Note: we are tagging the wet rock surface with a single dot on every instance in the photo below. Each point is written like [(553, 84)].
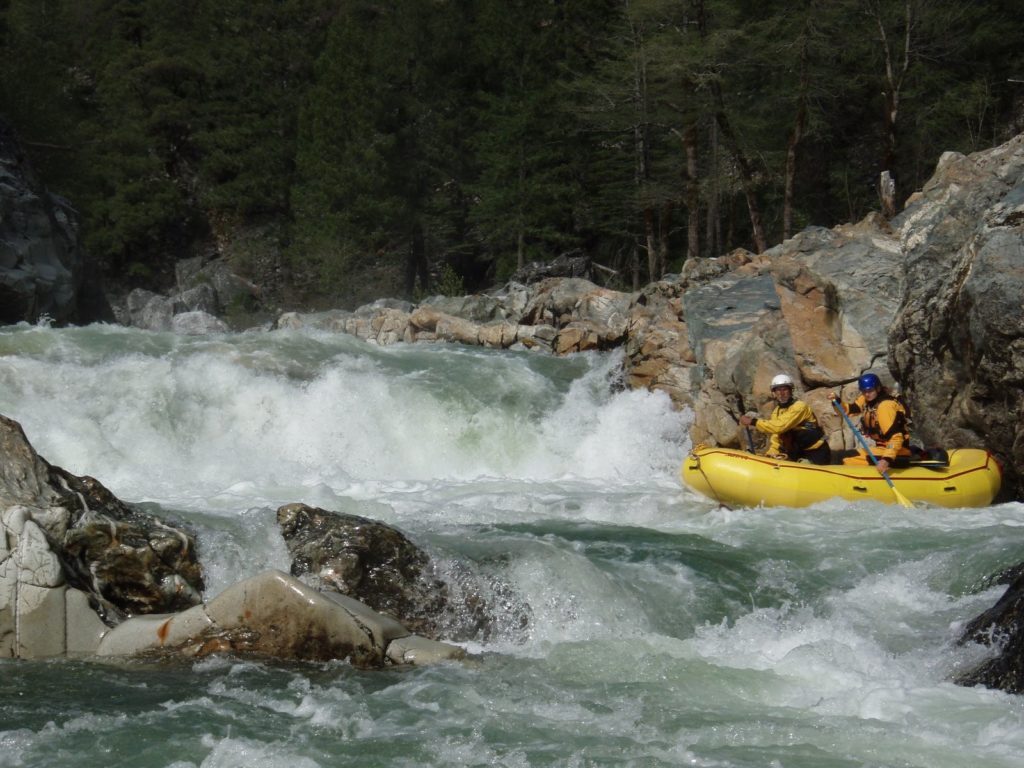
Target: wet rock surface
[(379, 566), (127, 561), (1001, 627), (84, 574)]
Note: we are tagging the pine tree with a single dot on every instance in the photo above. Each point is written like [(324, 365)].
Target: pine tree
[(523, 198), (372, 139)]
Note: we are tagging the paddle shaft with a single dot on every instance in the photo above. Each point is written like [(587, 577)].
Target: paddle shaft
[(874, 460), (750, 440)]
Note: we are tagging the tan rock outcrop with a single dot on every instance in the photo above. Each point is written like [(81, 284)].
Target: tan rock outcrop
[(274, 615)]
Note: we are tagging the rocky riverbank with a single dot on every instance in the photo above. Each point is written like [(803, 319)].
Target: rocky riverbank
[(929, 300), (84, 574)]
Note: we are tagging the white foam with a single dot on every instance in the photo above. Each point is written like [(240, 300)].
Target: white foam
[(200, 424)]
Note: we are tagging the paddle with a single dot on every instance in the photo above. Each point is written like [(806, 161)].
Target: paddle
[(863, 444), (750, 441)]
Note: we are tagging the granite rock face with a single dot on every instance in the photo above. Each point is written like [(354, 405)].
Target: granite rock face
[(83, 574), (44, 269), (958, 340), (126, 561)]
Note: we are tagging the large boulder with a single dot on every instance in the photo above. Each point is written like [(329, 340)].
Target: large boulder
[(365, 559), (380, 566), (206, 290), (736, 332), (83, 574), (818, 307), (838, 291), (40, 614), (274, 615), (958, 340), (44, 269), (573, 264), (126, 561), (658, 356), (224, 290), (1002, 628)]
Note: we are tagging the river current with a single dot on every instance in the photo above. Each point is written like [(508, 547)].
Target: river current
[(662, 630)]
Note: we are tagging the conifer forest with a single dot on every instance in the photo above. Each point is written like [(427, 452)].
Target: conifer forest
[(365, 148)]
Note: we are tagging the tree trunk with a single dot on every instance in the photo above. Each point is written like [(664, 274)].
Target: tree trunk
[(416, 263), (795, 136), (650, 240), (787, 195), (745, 168), (895, 75), (887, 194), (730, 224), (641, 148), (664, 227), (521, 225), (692, 194), (713, 236)]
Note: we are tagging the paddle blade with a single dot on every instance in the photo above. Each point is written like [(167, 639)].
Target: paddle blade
[(902, 499)]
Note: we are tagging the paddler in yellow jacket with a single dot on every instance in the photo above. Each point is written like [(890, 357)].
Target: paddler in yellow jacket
[(795, 432), (883, 419)]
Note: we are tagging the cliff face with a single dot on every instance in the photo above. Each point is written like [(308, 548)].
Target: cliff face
[(44, 271), (958, 340)]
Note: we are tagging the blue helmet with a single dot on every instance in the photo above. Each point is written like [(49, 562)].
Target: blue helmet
[(868, 381)]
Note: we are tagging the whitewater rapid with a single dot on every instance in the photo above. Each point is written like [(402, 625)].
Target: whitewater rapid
[(663, 630)]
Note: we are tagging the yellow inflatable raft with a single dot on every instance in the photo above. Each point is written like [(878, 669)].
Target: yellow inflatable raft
[(971, 479)]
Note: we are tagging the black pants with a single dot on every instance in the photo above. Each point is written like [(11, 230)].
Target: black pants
[(820, 455)]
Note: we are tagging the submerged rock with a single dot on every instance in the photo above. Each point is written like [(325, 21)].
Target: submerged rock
[(364, 559), (1001, 627)]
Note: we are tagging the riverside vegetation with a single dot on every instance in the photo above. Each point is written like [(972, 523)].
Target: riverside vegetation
[(337, 151)]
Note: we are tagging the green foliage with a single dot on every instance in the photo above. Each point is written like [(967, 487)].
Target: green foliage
[(450, 283), (381, 138), (137, 271), (524, 193)]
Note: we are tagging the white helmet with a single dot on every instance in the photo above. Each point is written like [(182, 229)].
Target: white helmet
[(782, 380)]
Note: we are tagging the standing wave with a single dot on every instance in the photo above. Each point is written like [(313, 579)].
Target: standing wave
[(176, 418)]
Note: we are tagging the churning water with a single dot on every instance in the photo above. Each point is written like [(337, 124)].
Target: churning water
[(662, 631)]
